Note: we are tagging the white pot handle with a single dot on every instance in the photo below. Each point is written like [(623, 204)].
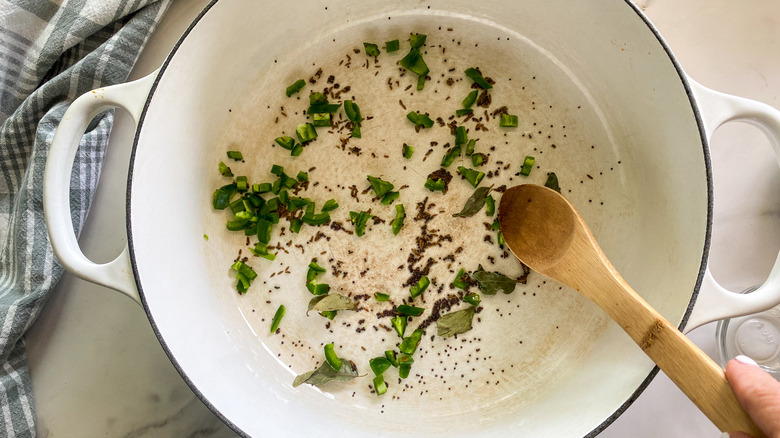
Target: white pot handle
[(116, 274), (716, 302)]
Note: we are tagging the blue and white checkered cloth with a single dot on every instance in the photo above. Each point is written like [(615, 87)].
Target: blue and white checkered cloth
[(51, 51)]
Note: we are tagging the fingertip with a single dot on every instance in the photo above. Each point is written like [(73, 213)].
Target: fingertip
[(745, 360)]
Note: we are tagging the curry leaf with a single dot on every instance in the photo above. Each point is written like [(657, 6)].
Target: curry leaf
[(456, 322), (325, 373), (475, 203), (324, 303), (492, 282)]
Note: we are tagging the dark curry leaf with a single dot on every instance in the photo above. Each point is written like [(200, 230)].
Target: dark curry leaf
[(492, 282), (325, 373), (475, 202), (456, 322), (324, 303)]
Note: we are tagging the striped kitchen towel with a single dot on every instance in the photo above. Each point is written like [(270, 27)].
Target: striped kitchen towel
[(51, 51)]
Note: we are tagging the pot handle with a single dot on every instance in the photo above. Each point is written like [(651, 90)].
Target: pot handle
[(716, 302), (116, 274)]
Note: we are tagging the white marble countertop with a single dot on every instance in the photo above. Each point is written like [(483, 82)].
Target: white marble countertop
[(98, 369)]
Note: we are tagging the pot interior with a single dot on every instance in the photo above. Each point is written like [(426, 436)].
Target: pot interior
[(599, 102)]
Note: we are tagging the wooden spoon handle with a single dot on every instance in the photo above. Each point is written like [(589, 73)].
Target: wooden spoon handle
[(695, 373)]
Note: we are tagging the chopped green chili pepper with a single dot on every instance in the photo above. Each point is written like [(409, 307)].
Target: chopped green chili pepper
[(417, 40), (379, 385), (417, 289), (353, 114), (490, 206), (224, 170), (242, 285), (472, 299), (295, 87), (240, 221), (244, 274), (408, 151), (261, 188), (434, 185), (470, 147), (478, 159), (403, 370), (222, 196), (264, 230), (463, 111), (277, 318), (381, 187), (381, 297), (414, 62), (317, 98), (277, 170), (359, 220), (330, 314), (284, 197), (330, 205), (379, 365), (399, 324), (244, 269), (352, 111), (285, 142), (235, 155), (552, 182), (317, 219), (528, 165), (419, 120), (461, 137), (302, 176), (390, 356), (295, 225), (508, 121), (371, 49), (474, 177), (450, 156), (306, 132), (470, 99), (298, 203), (398, 222), (271, 205), (241, 184), (421, 82), (297, 150), (314, 266), (331, 358), (321, 119), (237, 206), (318, 288), (410, 343), (390, 198), (476, 76), (406, 310), (392, 46), (461, 279), (356, 130), (323, 108)]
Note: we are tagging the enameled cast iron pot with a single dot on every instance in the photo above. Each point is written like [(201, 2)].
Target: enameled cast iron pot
[(648, 114)]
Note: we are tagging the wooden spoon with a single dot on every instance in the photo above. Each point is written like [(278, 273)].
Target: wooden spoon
[(546, 232)]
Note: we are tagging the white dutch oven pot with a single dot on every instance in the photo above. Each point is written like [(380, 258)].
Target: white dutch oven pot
[(657, 117)]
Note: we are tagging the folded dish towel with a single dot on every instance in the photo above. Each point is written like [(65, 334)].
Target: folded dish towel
[(50, 53)]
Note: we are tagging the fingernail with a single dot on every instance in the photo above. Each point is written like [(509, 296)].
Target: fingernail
[(746, 360)]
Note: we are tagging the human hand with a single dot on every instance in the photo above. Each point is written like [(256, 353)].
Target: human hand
[(757, 392)]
